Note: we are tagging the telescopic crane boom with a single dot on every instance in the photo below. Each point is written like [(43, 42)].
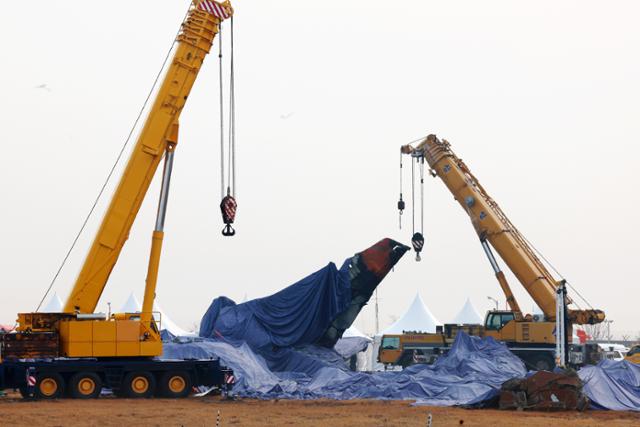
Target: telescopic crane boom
[(158, 138), (495, 229)]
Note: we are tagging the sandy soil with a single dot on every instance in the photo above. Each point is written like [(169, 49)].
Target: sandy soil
[(203, 411)]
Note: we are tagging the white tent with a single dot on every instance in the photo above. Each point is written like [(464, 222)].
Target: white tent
[(417, 318), (53, 306), (133, 306), (170, 325), (467, 315)]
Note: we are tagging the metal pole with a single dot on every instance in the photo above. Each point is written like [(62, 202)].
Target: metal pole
[(164, 190), (561, 355), (156, 241)]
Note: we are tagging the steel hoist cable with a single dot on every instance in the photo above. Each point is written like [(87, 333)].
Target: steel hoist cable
[(413, 197), (231, 178), (401, 204), (417, 240), (221, 106), (228, 204)]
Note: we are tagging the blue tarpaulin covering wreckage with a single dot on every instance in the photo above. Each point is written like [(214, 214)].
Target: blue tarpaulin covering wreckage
[(612, 385), (282, 346)]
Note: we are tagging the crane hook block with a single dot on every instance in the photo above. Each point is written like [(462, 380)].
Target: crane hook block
[(417, 241), (401, 204), (228, 207)]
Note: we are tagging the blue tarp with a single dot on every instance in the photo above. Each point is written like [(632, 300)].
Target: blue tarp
[(283, 328), (273, 326), (351, 346), (612, 385), (470, 374), (282, 346), (295, 316)]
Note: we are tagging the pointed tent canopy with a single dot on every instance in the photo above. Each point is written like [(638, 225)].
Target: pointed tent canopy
[(169, 325), (468, 315), (53, 306), (417, 318), (132, 305)]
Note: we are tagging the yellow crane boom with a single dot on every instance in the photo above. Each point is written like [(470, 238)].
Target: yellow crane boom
[(493, 226), (158, 136)]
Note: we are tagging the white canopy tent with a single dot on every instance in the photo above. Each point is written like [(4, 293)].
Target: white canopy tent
[(170, 325), (417, 318), (132, 305), (54, 305), (468, 315)]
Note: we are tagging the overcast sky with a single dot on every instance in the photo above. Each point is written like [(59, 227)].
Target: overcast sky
[(539, 99)]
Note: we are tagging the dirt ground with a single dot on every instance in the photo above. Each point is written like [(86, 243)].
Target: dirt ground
[(203, 411)]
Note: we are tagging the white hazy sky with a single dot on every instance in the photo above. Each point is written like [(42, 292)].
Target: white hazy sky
[(539, 98)]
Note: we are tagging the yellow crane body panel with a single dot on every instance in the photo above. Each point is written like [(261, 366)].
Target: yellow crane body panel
[(106, 338)]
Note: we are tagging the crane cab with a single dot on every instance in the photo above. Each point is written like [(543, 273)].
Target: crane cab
[(503, 325), (496, 320)]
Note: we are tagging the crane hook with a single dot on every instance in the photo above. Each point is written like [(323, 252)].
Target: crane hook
[(228, 207), (417, 241), (401, 207)]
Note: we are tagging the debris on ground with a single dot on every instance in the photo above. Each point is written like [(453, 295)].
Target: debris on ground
[(544, 390)]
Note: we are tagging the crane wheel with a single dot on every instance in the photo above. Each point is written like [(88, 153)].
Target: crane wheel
[(49, 386), (175, 384), (140, 384), (85, 385)]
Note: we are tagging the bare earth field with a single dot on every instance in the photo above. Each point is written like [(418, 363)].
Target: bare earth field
[(202, 412)]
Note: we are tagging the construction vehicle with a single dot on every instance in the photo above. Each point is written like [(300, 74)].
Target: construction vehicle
[(79, 351), (531, 337), (633, 355)]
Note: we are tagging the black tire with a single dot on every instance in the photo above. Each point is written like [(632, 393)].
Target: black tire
[(49, 385), (175, 384), (85, 385), (542, 363), (138, 385)]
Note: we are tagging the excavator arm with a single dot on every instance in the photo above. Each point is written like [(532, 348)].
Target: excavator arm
[(493, 227), (158, 135)]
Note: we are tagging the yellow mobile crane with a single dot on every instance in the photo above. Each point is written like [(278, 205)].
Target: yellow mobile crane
[(80, 350), (530, 337)]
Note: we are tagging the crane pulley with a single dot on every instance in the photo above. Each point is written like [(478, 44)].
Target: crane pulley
[(417, 239)]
